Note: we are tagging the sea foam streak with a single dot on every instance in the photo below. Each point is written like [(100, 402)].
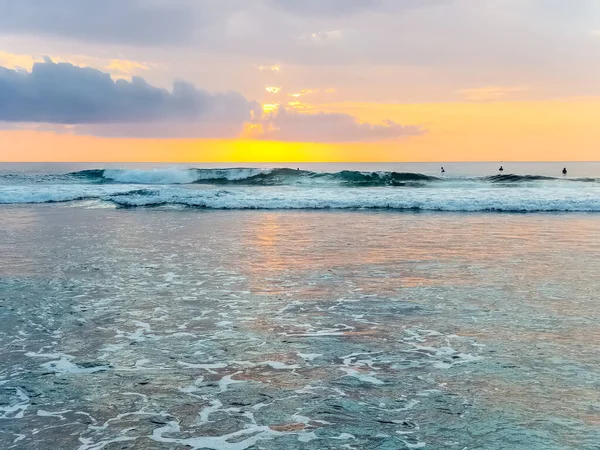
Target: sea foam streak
[(522, 199), (254, 188)]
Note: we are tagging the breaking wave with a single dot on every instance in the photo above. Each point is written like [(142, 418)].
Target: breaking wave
[(273, 177), (530, 199), (249, 176), (254, 188)]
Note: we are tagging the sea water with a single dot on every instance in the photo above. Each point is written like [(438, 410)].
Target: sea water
[(520, 187), (335, 306)]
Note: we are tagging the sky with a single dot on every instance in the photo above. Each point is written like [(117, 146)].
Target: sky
[(299, 80)]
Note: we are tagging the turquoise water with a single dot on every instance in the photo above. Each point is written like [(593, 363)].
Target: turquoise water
[(533, 187), (178, 327)]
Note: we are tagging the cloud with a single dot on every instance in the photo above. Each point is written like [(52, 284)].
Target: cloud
[(323, 37), (338, 8), (81, 100), (67, 94), (326, 7), (285, 125), (118, 21), (190, 22)]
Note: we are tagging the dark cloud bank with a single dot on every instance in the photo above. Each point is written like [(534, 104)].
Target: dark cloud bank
[(67, 94), (63, 94)]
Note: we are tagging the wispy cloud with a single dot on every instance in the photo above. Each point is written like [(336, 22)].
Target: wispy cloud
[(302, 93), (273, 89), (293, 126)]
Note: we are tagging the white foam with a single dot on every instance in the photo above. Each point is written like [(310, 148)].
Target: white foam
[(88, 444), (254, 433), (585, 198), (179, 175), (57, 193), (414, 445), (344, 437), (364, 377), (309, 356), (307, 437), (231, 174), (281, 366), (433, 199), (17, 410), (227, 381), (65, 366), (58, 414), (154, 176), (207, 367)]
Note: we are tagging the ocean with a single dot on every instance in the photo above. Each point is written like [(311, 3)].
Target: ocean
[(308, 306), (534, 187)]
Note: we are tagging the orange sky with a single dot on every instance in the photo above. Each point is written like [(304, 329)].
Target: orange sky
[(426, 80), (496, 131)]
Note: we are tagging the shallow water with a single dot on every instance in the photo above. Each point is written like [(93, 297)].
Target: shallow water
[(160, 328)]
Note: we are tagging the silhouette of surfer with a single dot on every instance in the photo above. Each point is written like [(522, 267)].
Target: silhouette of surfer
[(501, 169), (564, 171), (443, 171)]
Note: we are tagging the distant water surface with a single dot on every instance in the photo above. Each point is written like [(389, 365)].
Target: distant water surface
[(141, 314)]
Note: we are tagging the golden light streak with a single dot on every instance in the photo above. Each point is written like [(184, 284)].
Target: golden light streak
[(297, 105), (303, 92), (270, 107)]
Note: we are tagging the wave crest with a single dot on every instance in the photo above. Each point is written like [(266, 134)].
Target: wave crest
[(250, 176), (531, 199)]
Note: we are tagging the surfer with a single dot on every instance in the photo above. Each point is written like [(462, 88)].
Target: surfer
[(501, 169), (443, 171), (564, 171)]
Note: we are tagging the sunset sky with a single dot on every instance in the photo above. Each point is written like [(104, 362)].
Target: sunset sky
[(299, 80)]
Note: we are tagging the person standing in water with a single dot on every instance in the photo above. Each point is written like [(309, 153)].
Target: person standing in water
[(564, 171)]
